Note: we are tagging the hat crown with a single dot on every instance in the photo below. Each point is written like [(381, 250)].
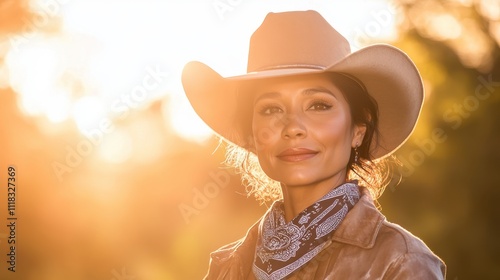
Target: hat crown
[(295, 40)]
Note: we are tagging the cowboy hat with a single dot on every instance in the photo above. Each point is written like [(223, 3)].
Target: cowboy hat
[(300, 43)]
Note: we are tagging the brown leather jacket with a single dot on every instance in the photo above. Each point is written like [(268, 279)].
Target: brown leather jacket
[(364, 246)]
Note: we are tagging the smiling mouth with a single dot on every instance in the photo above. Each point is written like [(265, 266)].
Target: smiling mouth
[(296, 154)]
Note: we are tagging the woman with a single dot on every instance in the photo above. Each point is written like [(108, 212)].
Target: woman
[(309, 125)]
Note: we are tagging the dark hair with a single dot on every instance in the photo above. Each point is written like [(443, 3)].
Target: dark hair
[(364, 111), (374, 174)]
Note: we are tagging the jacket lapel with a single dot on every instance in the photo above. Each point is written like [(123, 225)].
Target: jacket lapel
[(362, 223)]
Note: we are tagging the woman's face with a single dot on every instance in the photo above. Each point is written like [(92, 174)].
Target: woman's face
[(303, 132)]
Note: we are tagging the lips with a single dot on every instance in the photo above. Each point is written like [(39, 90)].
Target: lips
[(296, 154)]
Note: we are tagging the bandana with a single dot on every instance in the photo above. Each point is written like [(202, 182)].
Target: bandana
[(283, 247)]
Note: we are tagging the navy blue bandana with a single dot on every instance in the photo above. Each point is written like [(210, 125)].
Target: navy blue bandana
[(283, 247)]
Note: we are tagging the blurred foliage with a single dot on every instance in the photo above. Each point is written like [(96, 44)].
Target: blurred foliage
[(450, 187)]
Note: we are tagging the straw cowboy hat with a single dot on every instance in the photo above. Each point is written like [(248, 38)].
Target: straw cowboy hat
[(299, 43)]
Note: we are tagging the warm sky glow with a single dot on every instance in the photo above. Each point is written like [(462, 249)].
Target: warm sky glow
[(96, 60)]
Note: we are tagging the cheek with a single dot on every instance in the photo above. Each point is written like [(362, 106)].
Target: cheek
[(264, 136), (335, 132), (265, 133)]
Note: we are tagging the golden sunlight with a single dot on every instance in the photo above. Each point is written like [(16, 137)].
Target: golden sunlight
[(444, 27), (121, 178), (117, 147), (33, 71), (184, 120), (90, 70), (88, 111)]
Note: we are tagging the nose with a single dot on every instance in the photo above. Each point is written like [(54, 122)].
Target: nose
[(293, 127)]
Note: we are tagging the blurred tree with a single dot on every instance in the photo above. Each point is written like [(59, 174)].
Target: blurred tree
[(452, 159)]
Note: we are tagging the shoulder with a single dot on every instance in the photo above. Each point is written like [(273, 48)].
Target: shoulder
[(240, 246), (233, 261), (410, 256), (387, 248), (401, 239)]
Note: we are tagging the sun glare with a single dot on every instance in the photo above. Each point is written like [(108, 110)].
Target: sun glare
[(116, 147), (185, 121), (58, 109), (103, 48), (88, 112)]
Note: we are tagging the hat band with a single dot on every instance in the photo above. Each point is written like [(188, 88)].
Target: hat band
[(288, 66)]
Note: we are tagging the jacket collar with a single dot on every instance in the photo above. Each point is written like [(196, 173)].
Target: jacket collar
[(239, 254), (362, 224), (359, 228)]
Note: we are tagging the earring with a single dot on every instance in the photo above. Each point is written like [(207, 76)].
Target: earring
[(356, 154)]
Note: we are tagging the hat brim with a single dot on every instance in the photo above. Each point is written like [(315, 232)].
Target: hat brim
[(388, 74)]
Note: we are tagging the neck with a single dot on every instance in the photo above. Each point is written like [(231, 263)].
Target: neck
[(298, 198)]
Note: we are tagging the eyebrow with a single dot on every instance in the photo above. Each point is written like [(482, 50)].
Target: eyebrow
[(308, 91), (272, 94), (311, 91)]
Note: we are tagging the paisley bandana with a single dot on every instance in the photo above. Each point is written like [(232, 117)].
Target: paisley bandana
[(284, 247)]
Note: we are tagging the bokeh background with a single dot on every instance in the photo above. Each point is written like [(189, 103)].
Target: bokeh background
[(118, 179)]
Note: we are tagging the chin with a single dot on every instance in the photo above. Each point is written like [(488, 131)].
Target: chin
[(297, 180)]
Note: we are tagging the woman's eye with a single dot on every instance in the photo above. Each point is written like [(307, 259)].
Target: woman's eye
[(270, 110), (320, 106)]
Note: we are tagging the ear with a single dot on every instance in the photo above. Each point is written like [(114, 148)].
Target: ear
[(358, 135)]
